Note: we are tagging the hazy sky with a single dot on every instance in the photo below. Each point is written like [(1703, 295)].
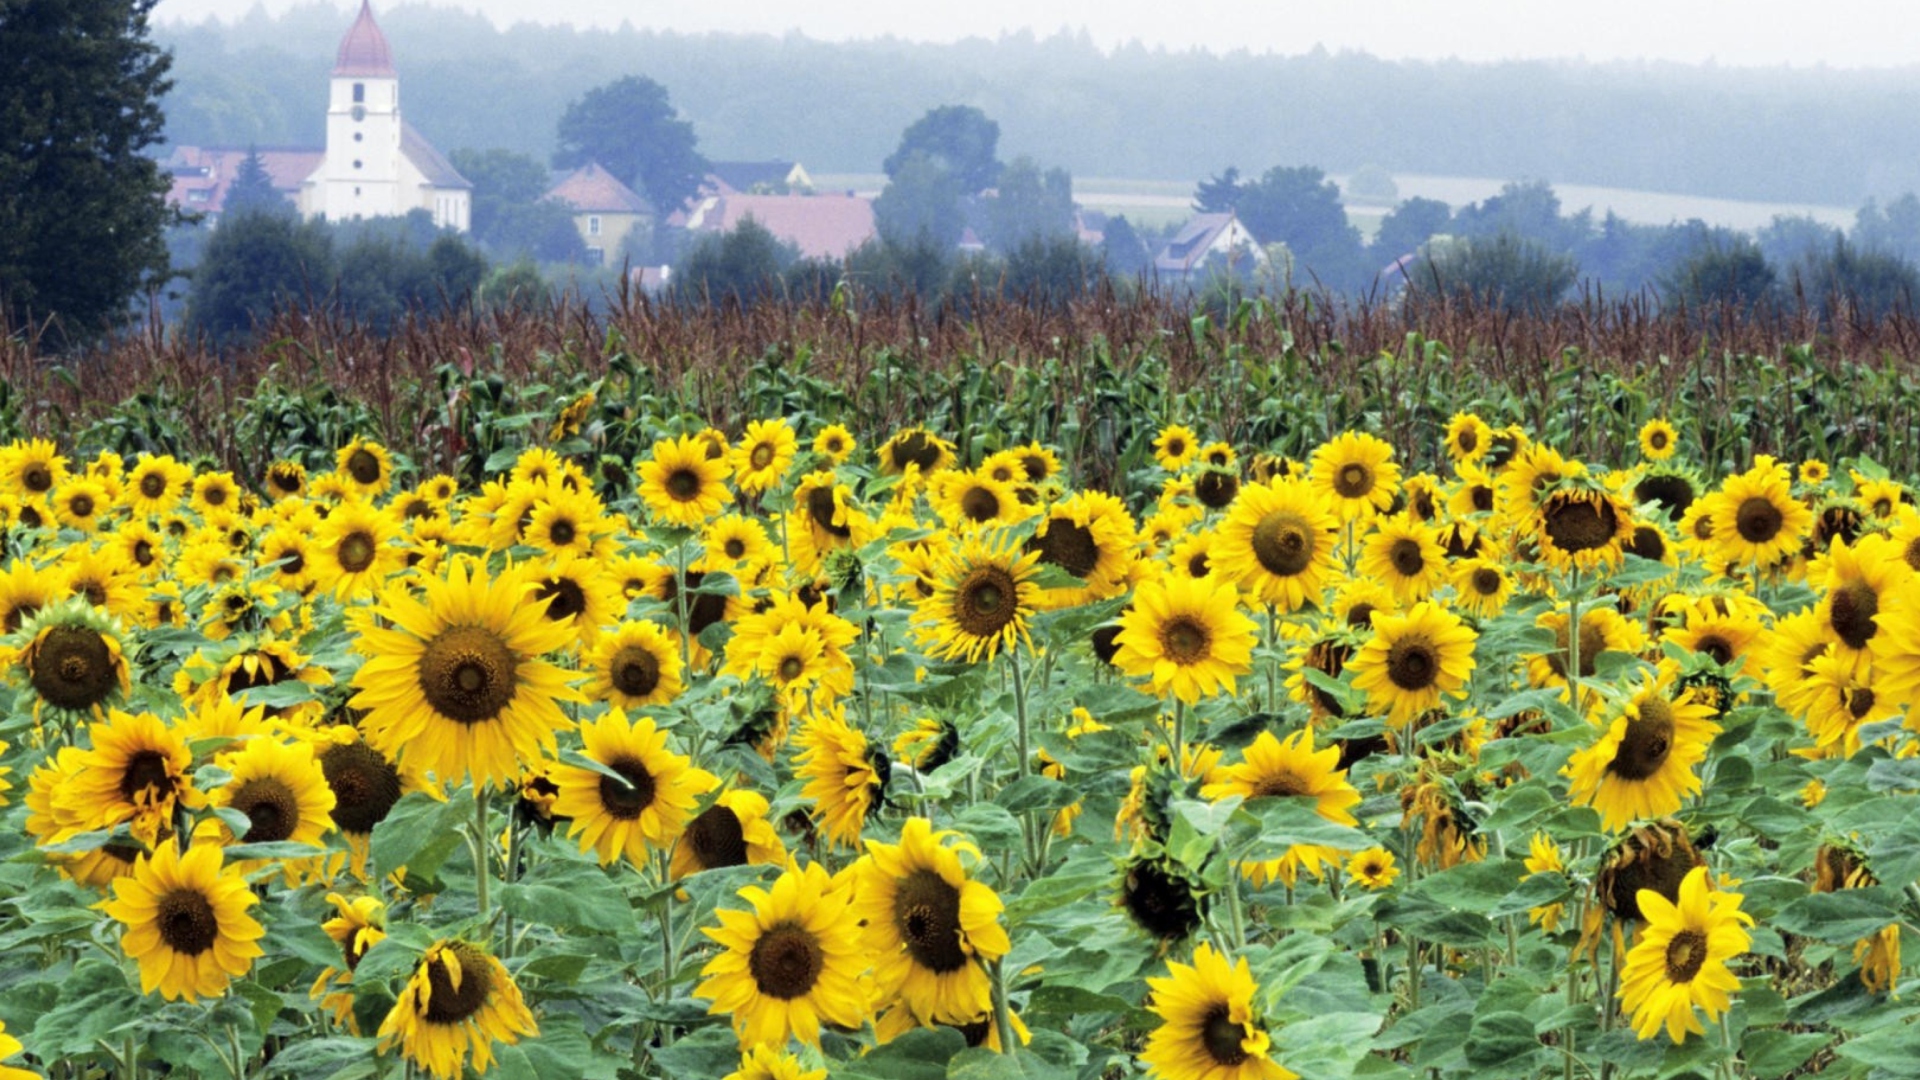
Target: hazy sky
[(1841, 33)]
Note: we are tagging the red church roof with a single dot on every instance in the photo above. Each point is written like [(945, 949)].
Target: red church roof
[(364, 50)]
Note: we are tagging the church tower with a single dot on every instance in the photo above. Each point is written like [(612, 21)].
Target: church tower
[(362, 174)]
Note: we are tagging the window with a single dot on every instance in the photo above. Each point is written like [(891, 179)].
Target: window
[(356, 193), (356, 163), (357, 136), (597, 256), (359, 92), (593, 225)]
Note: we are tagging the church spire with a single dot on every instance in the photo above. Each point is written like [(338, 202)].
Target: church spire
[(364, 51)]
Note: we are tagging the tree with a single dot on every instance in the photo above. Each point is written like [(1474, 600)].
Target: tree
[(502, 181), (1029, 205), (254, 263), (1847, 283), (744, 264), (252, 189), (959, 139), (1722, 273), (1787, 241), (1513, 273), (1407, 226), (1123, 251), (1051, 271), (920, 203), (82, 210), (1528, 209), (1301, 208), (1218, 194), (631, 129), (1894, 230)]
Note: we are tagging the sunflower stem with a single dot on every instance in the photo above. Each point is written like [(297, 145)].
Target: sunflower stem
[(1022, 749), (680, 601), (508, 874), (482, 866), (1002, 1009), (1573, 641), (1234, 917)]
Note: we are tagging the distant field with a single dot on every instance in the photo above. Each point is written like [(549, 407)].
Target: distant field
[(1160, 202)]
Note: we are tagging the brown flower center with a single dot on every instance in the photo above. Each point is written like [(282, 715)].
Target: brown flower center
[(81, 506), (146, 772), (448, 1004), (1222, 1037), (467, 673), (186, 921), (915, 448), (735, 548), (153, 485), (363, 466), (683, 485), (926, 913), (786, 961), (1647, 743), (822, 507), (984, 601), (1860, 702), (273, 812), (1216, 490), (365, 786), (1487, 581), (356, 552), (1852, 611), (1278, 785), (1159, 903), (565, 597), (717, 838), (1412, 665), (1406, 557), (562, 532), (1283, 543), (1069, 546), (979, 504), (1185, 640), (1580, 524), (73, 668), (635, 671), (1758, 520), (1685, 953), (1353, 481), (626, 801)]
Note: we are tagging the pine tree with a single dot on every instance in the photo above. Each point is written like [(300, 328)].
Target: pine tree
[(252, 189), (82, 210)]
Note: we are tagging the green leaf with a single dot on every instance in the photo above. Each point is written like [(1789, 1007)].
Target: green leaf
[(1840, 918), (1778, 1053), (1325, 1047), (708, 1052), (320, 1056), (921, 1054), (419, 833), (990, 826), (95, 1001), (1286, 821), (1034, 793), (980, 1063), (1896, 854), (1500, 1039), (279, 849), (569, 894)]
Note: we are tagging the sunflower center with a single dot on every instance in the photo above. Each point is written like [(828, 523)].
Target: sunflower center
[(1715, 646), (926, 912), (915, 449), (1068, 546), (450, 1004), (983, 601), (565, 597), (272, 809), (186, 921), (1216, 490), (683, 485), (72, 668), (1185, 640), (636, 671), (1278, 785), (1860, 702), (621, 800), (1647, 743), (717, 838), (356, 552), (1482, 498), (1353, 481), (143, 552), (1851, 611), (1283, 543), (1576, 525), (1468, 440), (1198, 566), (38, 479), (1222, 1036), (1487, 581), (822, 507), (81, 506), (365, 786), (1161, 904), (562, 532), (467, 673), (146, 771), (761, 457), (1176, 447), (1685, 953), (791, 668), (979, 504), (786, 961), (1406, 557), (153, 485), (1758, 520), (735, 548), (363, 466), (1412, 665), (1648, 543)]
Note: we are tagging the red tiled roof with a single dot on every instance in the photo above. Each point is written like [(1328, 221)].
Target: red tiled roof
[(591, 189), (364, 50), (821, 226), (202, 174)]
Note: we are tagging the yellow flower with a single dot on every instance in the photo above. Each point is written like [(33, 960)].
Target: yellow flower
[(1680, 963), (1275, 768), (1543, 857), (1642, 764), (1187, 635), (1657, 439), (458, 1001), (842, 781), (1406, 556), (981, 599), (835, 443), (1209, 1028), (764, 455), (930, 928), (1356, 474), (1412, 659), (681, 484), (648, 811), (186, 922), (1277, 542), (790, 963), (1373, 868), (1175, 447)]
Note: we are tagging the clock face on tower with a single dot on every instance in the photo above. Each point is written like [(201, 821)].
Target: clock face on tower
[(359, 113)]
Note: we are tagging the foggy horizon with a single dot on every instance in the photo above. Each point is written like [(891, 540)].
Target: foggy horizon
[(1768, 33)]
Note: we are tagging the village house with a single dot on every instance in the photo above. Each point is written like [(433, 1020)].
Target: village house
[(820, 226), (758, 178), (605, 210), (1205, 236)]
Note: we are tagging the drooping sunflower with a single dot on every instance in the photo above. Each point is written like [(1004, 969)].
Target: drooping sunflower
[(186, 922), (790, 963), (1468, 438), (136, 772), (1356, 474), (981, 600), (634, 665), (764, 455), (1658, 439), (916, 447), (1412, 659), (459, 1001), (1209, 1027), (1277, 542), (1641, 765), (1756, 519), (645, 813), (1186, 635), (74, 660), (1680, 962), (681, 484), (844, 777), (456, 684), (1287, 768), (1091, 536), (358, 925), (734, 831), (1175, 447), (930, 927), (1406, 556)]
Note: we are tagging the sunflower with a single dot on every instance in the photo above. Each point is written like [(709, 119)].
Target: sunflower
[(835, 443), (1543, 857), (1602, 629), (1412, 659), (458, 1000), (1858, 579), (927, 744), (1091, 536), (1641, 765), (365, 784), (966, 500), (844, 778), (136, 771), (1175, 447), (1756, 519), (1657, 439), (280, 788), (358, 925), (1581, 527), (1840, 698), (1405, 555), (763, 456), (981, 599), (736, 544), (456, 683), (1373, 868), (1468, 438), (915, 447), (1286, 768), (1187, 635), (1356, 475), (1277, 542), (1681, 959), (790, 963), (24, 590), (74, 660), (366, 465), (579, 594), (1209, 1026), (1192, 557), (734, 831), (1882, 497), (681, 484), (764, 1062), (156, 485), (354, 550), (824, 520), (1482, 587), (1161, 897), (80, 504), (565, 521), (634, 665), (31, 468), (930, 928), (1727, 632), (646, 808), (186, 922)]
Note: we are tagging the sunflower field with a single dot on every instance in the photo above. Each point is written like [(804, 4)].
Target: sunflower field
[(789, 751)]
